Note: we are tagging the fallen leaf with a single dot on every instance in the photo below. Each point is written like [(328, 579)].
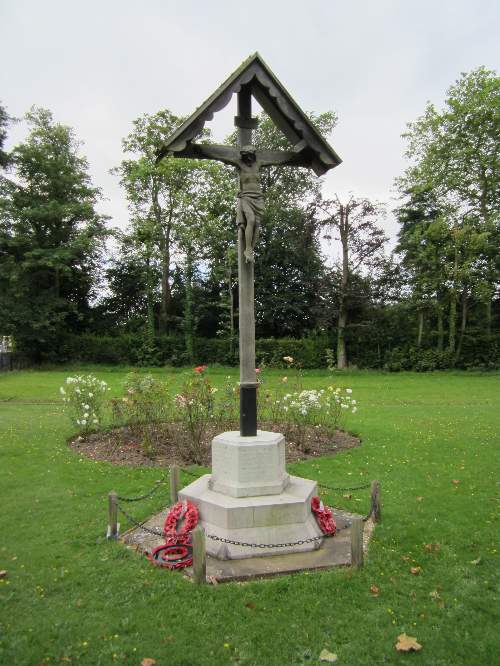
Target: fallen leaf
[(419, 498), (347, 496), (432, 547), (3, 574), (405, 558), (329, 657), (455, 481), (407, 644), (147, 661), (476, 562), (168, 638), (434, 595), (212, 580), (415, 570), (374, 590), (78, 603), (250, 605)]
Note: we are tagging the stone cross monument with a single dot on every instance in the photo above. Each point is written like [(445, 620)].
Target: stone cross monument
[(249, 496)]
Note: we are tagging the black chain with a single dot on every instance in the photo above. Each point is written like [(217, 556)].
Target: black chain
[(146, 495), (232, 542), (138, 524), (288, 544)]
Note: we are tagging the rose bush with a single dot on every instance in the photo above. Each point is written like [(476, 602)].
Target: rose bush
[(84, 399)]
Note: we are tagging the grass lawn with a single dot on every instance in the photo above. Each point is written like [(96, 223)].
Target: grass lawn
[(72, 597)]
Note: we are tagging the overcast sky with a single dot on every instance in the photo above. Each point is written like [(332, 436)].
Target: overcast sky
[(99, 64)]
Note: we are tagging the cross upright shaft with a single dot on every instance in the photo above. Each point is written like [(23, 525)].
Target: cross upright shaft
[(248, 377)]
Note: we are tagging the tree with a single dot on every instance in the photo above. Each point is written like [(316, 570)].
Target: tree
[(454, 154), (289, 268), (362, 243), (51, 238), (422, 244), (157, 191)]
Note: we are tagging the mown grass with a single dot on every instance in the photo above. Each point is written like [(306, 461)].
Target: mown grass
[(72, 597)]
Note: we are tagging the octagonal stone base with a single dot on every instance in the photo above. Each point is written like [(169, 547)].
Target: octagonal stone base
[(248, 466), (261, 519)]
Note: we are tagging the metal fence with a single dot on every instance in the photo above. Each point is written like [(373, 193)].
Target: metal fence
[(11, 361)]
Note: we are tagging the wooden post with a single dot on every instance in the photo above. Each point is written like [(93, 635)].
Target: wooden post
[(113, 525), (376, 511), (246, 307), (357, 542), (174, 483), (199, 556)]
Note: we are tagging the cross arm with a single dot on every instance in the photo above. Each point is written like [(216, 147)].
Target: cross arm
[(282, 157), (210, 151)]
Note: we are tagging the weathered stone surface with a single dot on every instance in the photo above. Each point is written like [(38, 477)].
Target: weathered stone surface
[(249, 466)]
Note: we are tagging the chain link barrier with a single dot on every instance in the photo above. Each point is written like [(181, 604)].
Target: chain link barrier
[(135, 522), (233, 542)]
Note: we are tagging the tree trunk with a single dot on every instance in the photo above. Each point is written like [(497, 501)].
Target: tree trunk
[(164, 235), (440, 327), (420, 327), (57, 283), (453, 306), (188, 306), (149, 297), (342, 319), (488, 316), (462, 326)]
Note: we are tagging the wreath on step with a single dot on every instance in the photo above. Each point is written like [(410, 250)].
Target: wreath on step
[(324, 516), (177, 551)]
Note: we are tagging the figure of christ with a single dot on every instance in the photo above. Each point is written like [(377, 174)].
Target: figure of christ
[(248, 161)]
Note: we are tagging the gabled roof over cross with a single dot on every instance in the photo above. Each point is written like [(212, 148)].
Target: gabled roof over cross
[(276, 101)]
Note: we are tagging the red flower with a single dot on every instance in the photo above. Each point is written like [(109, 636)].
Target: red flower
[(200, 368)]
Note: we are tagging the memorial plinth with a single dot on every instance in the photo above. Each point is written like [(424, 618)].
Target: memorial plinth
[(250, 498), (248, 466)]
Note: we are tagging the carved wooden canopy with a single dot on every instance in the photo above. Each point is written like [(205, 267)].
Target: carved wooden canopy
[(276, 102)]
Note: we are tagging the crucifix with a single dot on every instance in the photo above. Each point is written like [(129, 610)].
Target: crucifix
[(252, 78), (250, 207), (267, 503)]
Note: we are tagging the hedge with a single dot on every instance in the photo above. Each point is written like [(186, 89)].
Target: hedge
[(479, 351)]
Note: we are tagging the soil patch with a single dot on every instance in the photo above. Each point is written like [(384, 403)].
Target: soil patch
[(124, 446)]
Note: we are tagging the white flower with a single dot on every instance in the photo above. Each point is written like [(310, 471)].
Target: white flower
[(62, 391), (83, 422), (77, 390), (353, 402), (91, 395), (354, 410), (86, 407), (86, 415), (343, 406), (348, 390), (78, 421), (95, 421)]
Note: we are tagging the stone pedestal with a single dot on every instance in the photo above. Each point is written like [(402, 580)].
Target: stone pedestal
[(262, 519), (250, 498), (248, 466)]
